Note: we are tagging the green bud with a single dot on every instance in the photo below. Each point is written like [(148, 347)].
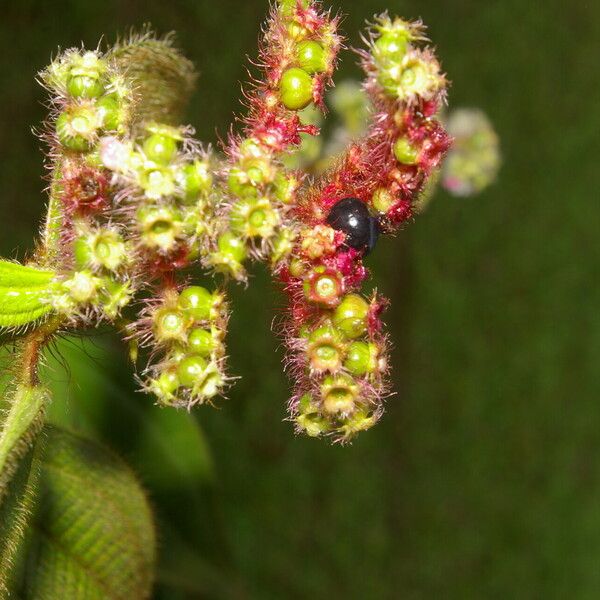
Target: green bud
[(313, 425), (115, 295), (190, 370), (311, 57), (405, 152), (390, 46), (296, 89), (82, 287), (197, 302), (351, 315), (160, 148), (285, 185), (197, 179), (111, 112), (361, 358)]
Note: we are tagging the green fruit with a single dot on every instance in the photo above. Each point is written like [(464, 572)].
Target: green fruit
[(160, 148), (232, 247), (311, 57), (197, 302), (405, 152), (111, 112), (361, 358), (201, 342), (296, 89), (84, 86), (351, 315), (191, 370)]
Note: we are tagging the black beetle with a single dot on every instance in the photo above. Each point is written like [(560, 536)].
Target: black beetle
[(351, 216)]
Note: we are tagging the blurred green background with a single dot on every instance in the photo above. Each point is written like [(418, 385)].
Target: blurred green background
[(483, 479)]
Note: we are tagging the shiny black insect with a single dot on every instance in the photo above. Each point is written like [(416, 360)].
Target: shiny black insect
[(351, 216)]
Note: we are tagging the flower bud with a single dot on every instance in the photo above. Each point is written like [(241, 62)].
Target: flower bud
[(82, 287), (165, 386)]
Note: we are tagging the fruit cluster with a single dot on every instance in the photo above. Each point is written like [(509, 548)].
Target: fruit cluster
[(136, 203)]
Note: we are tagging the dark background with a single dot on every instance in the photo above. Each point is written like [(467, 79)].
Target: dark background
[(483, 479)]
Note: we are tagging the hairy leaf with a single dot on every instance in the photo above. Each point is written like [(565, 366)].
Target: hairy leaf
[(163, 77), (94, 536), (24, 293)]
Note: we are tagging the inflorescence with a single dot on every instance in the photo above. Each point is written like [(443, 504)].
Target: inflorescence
[(136, 202)]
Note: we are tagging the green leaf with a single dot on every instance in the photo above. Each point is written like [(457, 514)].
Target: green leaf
[(24, 293), (15, 514), (94, 533)]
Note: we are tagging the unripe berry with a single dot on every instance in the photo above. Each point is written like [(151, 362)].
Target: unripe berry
[(111, 112), (170, 325), (201, 342), (405, 152), (311, 57), (232, 247), (239, 183), (190, 370), (165, 385), (350, 317), (361, 358), (288, 7), (197, 302), (160, 148), (383, 200), (84, 86), (296, 89)]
